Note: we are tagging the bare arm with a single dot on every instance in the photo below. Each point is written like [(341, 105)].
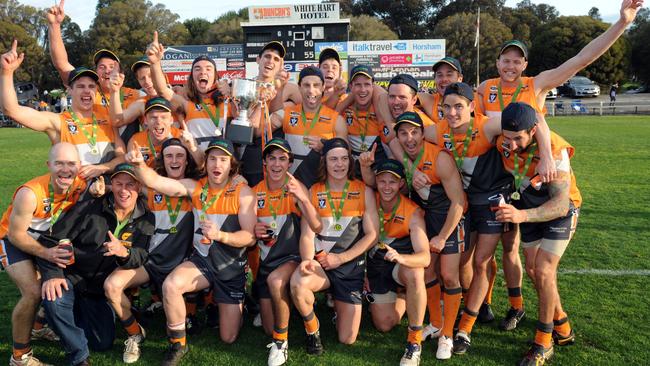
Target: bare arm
[(118, 116), (421, 256), (341, 128), (366, 159), (308, 211), (55, 16), (450, 179), (557, 206), (24, 205), (151, 179), (431, 134), (155, 53), (370, 228), (426, 101), (307, 236), (247, 219)]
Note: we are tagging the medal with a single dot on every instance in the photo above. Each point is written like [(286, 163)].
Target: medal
[(364, 147), (381, 245), (307, 129), (173, 213), (94, 150), (337, 212), (91, 137), (274, 209), (338, 227), (173, 230), (305, 141), (515, 196), (519, 175), (273, 225)]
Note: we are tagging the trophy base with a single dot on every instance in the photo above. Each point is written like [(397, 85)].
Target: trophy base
[(240, 134)]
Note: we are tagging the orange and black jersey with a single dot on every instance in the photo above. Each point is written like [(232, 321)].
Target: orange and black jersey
[(533, 192), (306, 160), (104, 136), (103, 101), (229, 262), (145, 143), (363, 129), (492, 107), (482, 172), (398, 235), (200, 122), (284, 246), (436, 114)]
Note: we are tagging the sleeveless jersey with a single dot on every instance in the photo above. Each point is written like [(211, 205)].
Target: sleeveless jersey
[(201, 125), (142, 138), (432, 198), (491, 98), (398, 235), (105, 137), (103, 100), (386, 131), (536, 193), (361, 122)]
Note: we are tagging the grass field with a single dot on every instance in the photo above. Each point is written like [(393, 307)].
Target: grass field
[(610, 313)]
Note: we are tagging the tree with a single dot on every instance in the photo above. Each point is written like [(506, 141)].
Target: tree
[(227, 28), (493, 7), (198, 30), (639, 37), (367, 28), (460, 29), (408, 18), (32, 66), (594, 13), (566, 36), (28, 17)]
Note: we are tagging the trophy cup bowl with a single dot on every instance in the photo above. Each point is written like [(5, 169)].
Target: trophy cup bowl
[(244, 93)]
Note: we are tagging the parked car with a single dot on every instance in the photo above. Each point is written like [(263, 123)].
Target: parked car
[(552, 94), (580, 86), (26, 92)]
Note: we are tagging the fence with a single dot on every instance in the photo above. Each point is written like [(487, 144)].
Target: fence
[(580, 107)]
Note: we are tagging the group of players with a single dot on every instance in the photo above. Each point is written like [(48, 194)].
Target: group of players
[(394, 196)]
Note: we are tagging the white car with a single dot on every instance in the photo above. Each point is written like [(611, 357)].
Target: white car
[(552, 94)]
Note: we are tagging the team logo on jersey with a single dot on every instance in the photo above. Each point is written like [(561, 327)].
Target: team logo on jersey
[(198, 107), (448, 145), (104, 101), (47, 207), (293, 121), (427, 165), (492, 98), (349, 120), (440, 115), (321, 203), (72, 128), (125, 236), (386, 131), (260, 202), (157, 198)]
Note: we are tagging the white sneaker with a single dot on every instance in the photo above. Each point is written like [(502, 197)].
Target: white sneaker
[(411, 355), (132, 347), (27, 359), (46, 333), (278, 354), (430, 331), (330, 300), (257, 321), (445, 347)]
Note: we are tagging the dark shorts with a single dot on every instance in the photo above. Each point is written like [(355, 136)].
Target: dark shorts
[(9, 254), (347, 288), (260, 287), (553, 236), (380, 276), (223, 291), (156, 277), (458, 241), (483, 220)]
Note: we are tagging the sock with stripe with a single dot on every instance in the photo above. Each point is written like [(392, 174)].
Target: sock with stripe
[(280, 334), (20, 349), (543, 335), (176, 333), (467, 321), (561, 324), (415, 334), (433, 303), (515, 298), (451, 301), (311, 323), (131, 326)]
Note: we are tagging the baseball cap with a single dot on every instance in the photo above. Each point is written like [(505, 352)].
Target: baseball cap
[(361, 70), (82, 71), (142, 61), (328, 53), (310, 71), (157, 102), (515, 43), (518, 116), (461, 89), (204, 58), (105, 53), (173, 141), (221, 144), (124, 168), (409, 117), (274, 45), (334, 143), (454, 63), (405, 79), (390, 166), (277, 143)]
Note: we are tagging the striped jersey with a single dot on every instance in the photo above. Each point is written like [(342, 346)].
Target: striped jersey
[(397, 231), (490, 97), (199, 121), (143, 140), (71, 131)]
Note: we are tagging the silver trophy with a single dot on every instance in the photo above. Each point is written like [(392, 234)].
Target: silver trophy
[(244, 93)]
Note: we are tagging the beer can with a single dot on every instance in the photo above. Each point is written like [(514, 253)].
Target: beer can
[(320, 255), (66, 244), (496, 201)]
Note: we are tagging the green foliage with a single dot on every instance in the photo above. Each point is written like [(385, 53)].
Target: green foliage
[(227, 29), (460, 30), (32, 66), (640, 52), (409, 19), (563, 38), (524, 19), (198, 30), (366, 28), (594, 13)]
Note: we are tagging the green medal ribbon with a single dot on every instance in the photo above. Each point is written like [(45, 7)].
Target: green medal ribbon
[(54, 214), (514, 96), (173, 212), (213, 117), (108, 102), (337, 212), (383, 221), (274, 210), (91, 137), (363, 133), (204, 196), (519, 176), (468, 137), (409, 171), (120, 225), (311, 125)]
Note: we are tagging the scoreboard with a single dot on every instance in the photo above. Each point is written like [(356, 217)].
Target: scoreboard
[(300, 28)]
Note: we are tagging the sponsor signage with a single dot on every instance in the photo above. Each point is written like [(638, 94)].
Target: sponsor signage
[(177, 61), (293, 14)]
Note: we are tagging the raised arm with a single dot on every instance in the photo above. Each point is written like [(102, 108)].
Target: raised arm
[(366, 159), (151, 179), (55, 16), (117, 115), (155, 52), (341, 128), (555, 77), (38, 121)]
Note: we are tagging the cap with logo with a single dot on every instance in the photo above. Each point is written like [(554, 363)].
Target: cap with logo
[(515, 43), (328, 53), (461, 89), (274, 45), (82, 71), (452, 62), (158, 103), (310, 71), (204, 58), (221, 144), (104, 53), (361, 70), (518, 116), (411, 118), (125, 168), (142, 61), (405, 79), (276, 143), (333, 143), (391, 166)]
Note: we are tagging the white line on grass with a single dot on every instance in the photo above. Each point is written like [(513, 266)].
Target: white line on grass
[(603, 272)]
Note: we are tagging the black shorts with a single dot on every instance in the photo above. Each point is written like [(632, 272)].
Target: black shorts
[(559, 229), (458, 241), (229, 291), (483, 220), (380, 276), (346, 282), (260, 287), (156, 277), (9, 254)]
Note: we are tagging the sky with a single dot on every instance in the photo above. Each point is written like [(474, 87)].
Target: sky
[(83, 11)]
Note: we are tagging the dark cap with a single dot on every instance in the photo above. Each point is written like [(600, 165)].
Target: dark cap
[(173, 141), (276, 143), (514, 43), (461, 89), (82, 71), (105, 53), (454, 63), (328, 53), (405, 79), (142, 61), (124, 168), (334, 143), (390, 166), (310, 71), (518, 116), (409, 117), (361, 70), (221, 144), (204, 58), (157, 102), (274, 45)]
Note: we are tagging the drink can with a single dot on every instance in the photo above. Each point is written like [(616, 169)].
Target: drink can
[(496, 201), (66, 244), (320, 255)]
